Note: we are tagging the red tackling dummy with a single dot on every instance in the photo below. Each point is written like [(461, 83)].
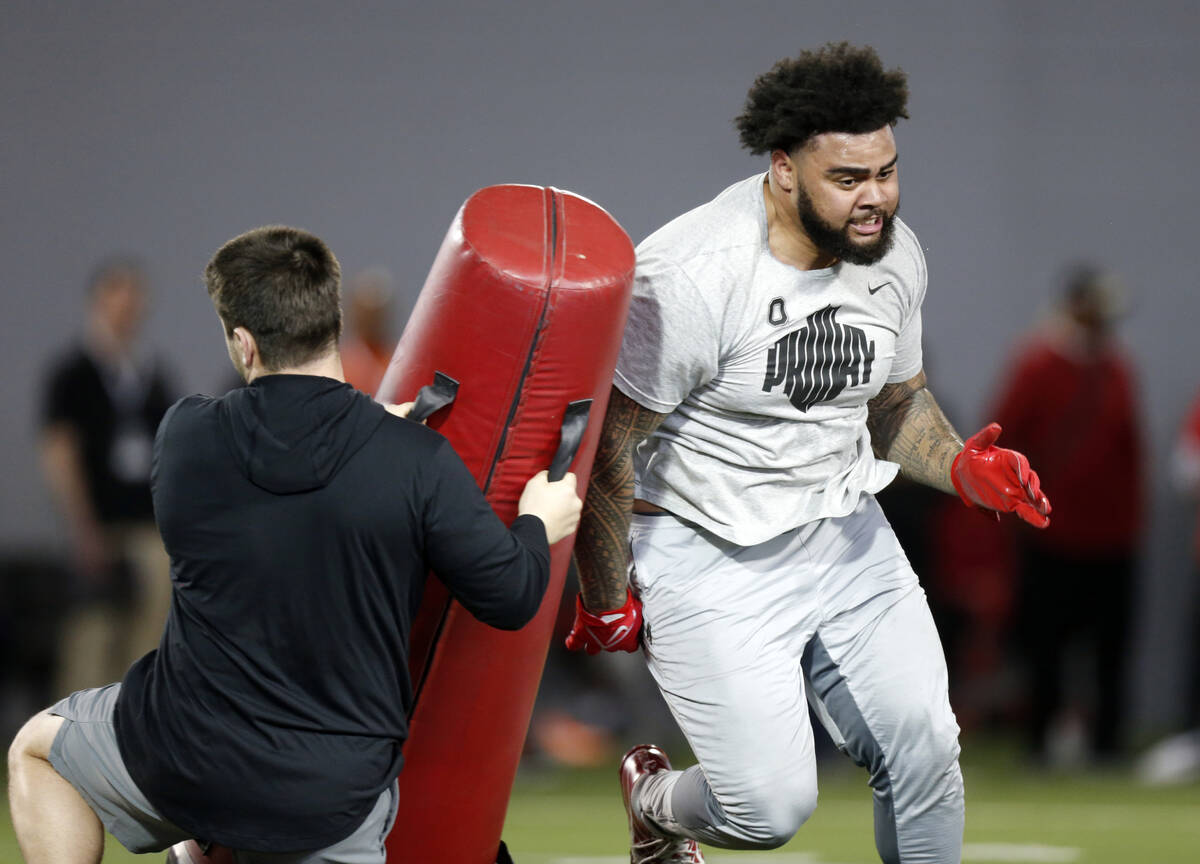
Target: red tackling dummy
[(524, 307)]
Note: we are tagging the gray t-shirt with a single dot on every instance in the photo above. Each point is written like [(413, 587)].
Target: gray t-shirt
[(763, 370)]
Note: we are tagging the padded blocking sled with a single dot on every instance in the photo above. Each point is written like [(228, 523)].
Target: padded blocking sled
[(524, 309)]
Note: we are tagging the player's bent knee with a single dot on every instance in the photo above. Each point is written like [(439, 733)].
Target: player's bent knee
[(34, 739), (774, 818), (775, 827)]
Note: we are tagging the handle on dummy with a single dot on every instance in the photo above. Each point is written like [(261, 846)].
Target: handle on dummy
[(433, 396), (573, 426)]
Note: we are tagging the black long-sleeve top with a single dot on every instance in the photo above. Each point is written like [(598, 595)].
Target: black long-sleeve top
[(301, 519)]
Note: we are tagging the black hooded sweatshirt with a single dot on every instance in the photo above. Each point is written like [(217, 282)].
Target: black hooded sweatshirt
[(301, 519)]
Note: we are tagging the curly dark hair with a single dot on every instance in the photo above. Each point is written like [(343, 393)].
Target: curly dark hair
[(840, 88)]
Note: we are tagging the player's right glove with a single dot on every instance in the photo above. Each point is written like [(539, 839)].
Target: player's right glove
[(618, 630), (998, 479)]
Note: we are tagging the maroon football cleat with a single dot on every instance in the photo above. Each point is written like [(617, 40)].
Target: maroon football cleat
[(645, 845)]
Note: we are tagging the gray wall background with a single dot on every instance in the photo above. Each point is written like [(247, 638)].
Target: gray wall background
[(1041, 132)]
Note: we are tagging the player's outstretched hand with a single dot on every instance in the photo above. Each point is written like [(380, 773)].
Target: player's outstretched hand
[(997, 479), (557, 504), (618, 630)]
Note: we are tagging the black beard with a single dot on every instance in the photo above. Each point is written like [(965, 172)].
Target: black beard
[(836, 242)]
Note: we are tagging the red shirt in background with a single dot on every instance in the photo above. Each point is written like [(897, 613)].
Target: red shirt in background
[(1074, 415)]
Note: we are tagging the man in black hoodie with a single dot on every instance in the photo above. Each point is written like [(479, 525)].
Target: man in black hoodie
[(301, 518)]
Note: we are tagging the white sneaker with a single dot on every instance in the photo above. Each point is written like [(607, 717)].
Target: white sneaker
[(1171, 762)]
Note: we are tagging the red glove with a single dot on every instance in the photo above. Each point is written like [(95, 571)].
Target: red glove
[(997, 479), (618, 630)]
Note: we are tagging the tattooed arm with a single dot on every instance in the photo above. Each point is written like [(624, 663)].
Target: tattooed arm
[(908, 427), (602, 544)]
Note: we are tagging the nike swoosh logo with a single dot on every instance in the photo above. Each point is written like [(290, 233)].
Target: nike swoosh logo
[(618, 635), (871, 290)]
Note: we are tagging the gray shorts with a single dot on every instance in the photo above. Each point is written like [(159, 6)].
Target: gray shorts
[(85, 753)]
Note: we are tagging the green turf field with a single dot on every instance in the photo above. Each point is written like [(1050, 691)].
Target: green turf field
[(575, 817)]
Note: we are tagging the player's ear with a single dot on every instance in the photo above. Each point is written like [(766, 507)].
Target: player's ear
[(783, 170), (245, 345)]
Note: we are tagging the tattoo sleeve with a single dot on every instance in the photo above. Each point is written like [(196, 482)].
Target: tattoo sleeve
[(602, 544), (908, 427)]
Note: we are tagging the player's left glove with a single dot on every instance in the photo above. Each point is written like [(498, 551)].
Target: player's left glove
[(618, 630), (997, 479)]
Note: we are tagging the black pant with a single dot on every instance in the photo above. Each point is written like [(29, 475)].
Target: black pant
[(1065, 597)]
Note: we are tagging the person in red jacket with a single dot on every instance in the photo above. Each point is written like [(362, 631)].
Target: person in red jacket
[(1070, 404)]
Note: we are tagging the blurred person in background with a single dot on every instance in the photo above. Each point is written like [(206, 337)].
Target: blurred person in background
[(101, 406), (968, 571), (368, 343), (972, 587), (1070, 403), (1177, 758)]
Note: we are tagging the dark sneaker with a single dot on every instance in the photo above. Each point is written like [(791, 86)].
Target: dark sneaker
[(193, 852), (645, 845)]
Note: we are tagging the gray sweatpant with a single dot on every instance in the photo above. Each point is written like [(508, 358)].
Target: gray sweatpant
[(739, 637), (85, 752)]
